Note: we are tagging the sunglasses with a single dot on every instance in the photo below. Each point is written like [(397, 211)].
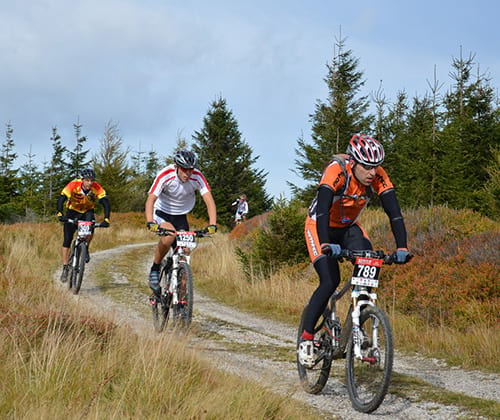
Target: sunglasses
[(369, 167)]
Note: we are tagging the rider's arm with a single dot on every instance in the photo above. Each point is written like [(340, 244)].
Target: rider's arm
[(107, 208), (211, 208), (392, 209), (325, 198), (149, 207), (60, 203)]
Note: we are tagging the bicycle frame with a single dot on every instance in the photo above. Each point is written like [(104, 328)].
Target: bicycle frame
[(181, 253), (176, 280), (360, 297), (85, 229)]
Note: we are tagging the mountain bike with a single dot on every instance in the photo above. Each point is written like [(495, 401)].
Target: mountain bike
[(176, 281), (364, 340), (79, 252)]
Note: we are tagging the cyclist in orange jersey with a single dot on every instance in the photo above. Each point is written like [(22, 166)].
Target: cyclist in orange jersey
[(80, 196), (331, 225)]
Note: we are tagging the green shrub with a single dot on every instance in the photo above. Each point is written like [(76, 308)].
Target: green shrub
[(280, 242)]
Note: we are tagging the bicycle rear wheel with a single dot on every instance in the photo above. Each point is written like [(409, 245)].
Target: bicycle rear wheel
[(183, 311), (314, 379), (160, 306), (368, 379)]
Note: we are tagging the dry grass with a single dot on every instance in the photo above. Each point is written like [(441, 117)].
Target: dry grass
[(60, 360)]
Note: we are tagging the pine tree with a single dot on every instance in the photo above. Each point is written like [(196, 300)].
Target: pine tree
[(78, 157), (9, 206), (112, 170), (334, 121), (227, 162), (473, 127), (55, 174), (31, 188)]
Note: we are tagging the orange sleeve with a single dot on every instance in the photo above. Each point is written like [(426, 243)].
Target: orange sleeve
[(333, 176), (381, 182)]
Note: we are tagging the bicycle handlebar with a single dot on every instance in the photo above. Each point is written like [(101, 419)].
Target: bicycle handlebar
[(380, 254), (75, 222), (170, 232), (351, 255)]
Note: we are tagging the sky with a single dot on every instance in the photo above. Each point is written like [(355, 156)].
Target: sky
[(153, 67)]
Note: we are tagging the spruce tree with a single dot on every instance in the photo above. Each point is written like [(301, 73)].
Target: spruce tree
[(226, 161), (78, 157), (111, 168), (9, 182), (334, 121), (473, 127), (55, 174), (31, 188)]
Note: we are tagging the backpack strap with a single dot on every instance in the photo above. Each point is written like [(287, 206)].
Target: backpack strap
[(341, 160)]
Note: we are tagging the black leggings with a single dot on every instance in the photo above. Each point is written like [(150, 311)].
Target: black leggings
[(69, 229), (329, 272)]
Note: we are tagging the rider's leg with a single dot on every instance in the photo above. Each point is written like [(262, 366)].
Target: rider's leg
[(69, 231), (161, 250), (356, 238), (329, 278)]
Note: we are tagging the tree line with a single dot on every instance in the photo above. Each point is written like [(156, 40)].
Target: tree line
[(441, 148)]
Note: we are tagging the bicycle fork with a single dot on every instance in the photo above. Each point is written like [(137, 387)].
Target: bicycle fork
[(362, 297)]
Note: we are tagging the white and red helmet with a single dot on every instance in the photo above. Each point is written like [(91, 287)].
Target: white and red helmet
[(366, 150)]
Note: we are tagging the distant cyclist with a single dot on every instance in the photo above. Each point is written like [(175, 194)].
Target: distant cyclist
[(171, 197), (81, 194), (241, 205), (331, 225)]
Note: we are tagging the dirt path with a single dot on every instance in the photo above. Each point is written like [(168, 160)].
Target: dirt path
[(264, 351)]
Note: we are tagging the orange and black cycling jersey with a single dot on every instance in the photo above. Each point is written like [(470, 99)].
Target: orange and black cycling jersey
[(350, 196), (80, 200)]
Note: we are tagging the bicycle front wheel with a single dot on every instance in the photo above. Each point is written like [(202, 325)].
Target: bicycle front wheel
[(80, 269), (73, 270), (368, 378), (183, 311), (160, 306), (314, 379)]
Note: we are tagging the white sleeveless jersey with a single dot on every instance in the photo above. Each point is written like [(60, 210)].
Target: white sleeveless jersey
[(176, 197)]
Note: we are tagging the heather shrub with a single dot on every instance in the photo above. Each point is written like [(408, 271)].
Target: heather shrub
[(453, 278)]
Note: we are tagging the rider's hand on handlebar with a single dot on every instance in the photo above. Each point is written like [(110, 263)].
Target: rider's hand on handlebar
[(401, 256), (152, 226), (60, 217), (105, 224), (211, 229), (333, 250)]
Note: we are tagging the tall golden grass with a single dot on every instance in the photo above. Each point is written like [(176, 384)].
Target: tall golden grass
[(61, 360)]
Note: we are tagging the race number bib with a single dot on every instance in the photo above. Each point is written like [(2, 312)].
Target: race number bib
[(186, 239), (366, 271), (84, 228)]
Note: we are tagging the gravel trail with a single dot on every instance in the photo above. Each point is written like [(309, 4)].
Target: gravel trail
[(246, 344)]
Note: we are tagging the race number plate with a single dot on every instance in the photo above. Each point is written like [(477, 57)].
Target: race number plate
[(186, 239), (84, 228), (366, 272)]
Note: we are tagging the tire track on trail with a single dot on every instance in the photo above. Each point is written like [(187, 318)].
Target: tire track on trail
[(262, 350)]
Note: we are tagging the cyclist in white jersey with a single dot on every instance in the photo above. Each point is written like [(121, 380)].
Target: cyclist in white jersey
[(170, 198)]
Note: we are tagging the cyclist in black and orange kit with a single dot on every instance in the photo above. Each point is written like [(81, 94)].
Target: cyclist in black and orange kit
[(82, 195), (331, 225)]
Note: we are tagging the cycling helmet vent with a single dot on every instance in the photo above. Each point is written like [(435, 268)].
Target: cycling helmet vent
[(87, 173), (366, 150), (185, 159)]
